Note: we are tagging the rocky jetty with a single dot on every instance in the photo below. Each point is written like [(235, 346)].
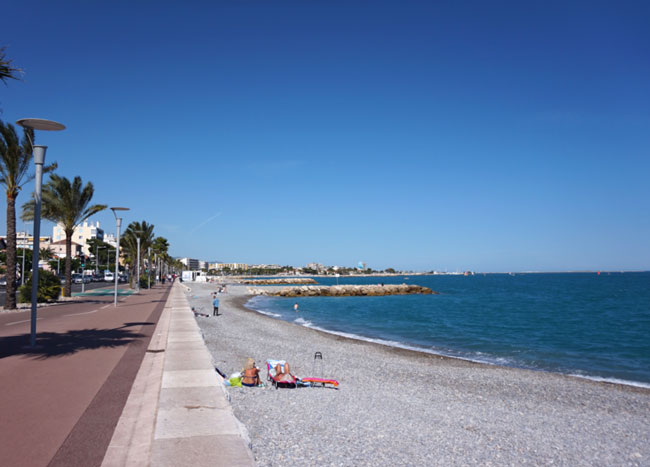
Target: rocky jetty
[(344, 290), (288, 280)]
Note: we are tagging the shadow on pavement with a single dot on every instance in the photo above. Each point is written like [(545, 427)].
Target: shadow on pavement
[(52, 344), (136, 323)]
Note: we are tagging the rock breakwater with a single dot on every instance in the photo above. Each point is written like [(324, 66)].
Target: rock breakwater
[(372, 290), (302, 280)]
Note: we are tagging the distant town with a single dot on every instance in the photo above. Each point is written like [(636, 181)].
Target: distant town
[(91, 246)]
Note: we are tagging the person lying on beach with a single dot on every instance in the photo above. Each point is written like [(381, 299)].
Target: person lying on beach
[(283, 375), (250, 374)]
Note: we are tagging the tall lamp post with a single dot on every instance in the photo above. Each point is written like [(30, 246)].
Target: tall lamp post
[(118, 224), (149, 268), (97, 254), (137, 281), (39, 159)]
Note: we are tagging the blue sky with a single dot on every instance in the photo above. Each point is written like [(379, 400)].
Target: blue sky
[(492, 136)]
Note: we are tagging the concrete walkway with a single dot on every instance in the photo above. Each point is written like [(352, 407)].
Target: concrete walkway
[(177, 412)]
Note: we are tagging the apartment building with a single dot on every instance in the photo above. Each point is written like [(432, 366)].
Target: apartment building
[(82, 233)]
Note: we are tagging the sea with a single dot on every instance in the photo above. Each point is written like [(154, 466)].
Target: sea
[(590, 325)]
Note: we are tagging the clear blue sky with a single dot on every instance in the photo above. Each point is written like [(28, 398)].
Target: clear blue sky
[(492, 136)]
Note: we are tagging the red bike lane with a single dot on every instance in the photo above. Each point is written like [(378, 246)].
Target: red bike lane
[(60, 402)]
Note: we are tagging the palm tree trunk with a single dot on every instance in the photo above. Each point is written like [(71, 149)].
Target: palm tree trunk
[(10, 297), (67, 291)]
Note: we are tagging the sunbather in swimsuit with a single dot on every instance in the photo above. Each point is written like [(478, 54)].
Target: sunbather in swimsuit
[(251, 376), (283, 375)]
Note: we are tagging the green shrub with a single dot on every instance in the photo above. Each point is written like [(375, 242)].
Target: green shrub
[(144, 282), (49, 288)]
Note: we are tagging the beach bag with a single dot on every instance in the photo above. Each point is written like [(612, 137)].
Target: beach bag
[(235, 380)]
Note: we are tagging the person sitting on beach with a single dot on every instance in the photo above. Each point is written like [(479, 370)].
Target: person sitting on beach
[(251, 374), (283, 375)]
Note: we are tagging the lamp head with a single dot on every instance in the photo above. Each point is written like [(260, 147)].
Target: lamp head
[(40, 124), (118, 208)]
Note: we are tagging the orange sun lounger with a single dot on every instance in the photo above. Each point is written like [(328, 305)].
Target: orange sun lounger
[(320, 382)]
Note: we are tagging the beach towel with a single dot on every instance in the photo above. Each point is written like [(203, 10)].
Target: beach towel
[(320, 382)]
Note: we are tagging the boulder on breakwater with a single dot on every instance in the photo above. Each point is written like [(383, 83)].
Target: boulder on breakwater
[(301, 280), (372, 290)]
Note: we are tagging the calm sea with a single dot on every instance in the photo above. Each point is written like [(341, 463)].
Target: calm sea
[(584, 324)]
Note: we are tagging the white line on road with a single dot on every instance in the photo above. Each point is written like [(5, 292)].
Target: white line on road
[(82, 313), (23, 321), (105, 306)]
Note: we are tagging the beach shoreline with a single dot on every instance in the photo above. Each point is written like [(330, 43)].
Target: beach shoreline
[(242, 303), (434, 409)]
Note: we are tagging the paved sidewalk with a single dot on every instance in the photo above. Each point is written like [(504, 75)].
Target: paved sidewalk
[(177, 412), (132, 385), (60, 402)]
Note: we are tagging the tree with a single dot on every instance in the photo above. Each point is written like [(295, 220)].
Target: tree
[(45, 254), (7, 70), (15, 159), (160, 247), (144, 232), (66, 203), (101, 252), (48, 290)]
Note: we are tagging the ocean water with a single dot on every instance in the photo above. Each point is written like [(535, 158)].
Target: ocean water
[(583, 324)]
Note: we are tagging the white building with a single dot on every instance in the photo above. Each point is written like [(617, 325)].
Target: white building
[(111, 239), (232, 266), (82, 232), (26, 240), (190, 263)]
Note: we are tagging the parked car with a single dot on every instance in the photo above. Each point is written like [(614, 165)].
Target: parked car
[(76, 278), (109, 277), (123, 278)]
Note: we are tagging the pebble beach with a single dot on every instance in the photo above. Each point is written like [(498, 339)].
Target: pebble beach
[(401, 407)]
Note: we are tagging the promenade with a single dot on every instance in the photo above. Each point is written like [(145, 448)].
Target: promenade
[(131, 385)]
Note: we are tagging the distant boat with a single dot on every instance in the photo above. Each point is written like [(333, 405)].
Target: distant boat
[(511, 273)]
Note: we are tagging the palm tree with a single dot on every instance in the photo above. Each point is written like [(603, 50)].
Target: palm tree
[(160, 246), (144, 232), (66, 203), (15, 159), (6, 68), (45, 254)]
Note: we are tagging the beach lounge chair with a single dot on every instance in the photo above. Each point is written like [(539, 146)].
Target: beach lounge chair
[(316, 382), (279, 383)]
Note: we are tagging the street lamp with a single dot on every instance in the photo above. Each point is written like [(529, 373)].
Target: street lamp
[(97, 258), (39, 159), (149, 268), (118, 223), (137, 281)]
